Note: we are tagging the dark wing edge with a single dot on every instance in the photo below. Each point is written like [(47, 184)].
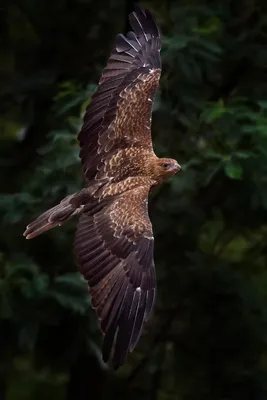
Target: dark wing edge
[(114, 249), (136, 53), (139, 48)]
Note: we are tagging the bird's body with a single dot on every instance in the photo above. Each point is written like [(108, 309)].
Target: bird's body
[(114, 240)]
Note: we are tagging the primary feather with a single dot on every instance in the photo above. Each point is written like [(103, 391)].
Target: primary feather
[(114, 240)]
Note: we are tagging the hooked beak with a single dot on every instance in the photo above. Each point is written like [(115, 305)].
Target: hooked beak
[(175, 168)]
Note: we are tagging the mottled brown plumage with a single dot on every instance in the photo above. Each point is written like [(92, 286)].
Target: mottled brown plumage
[(114, 240)]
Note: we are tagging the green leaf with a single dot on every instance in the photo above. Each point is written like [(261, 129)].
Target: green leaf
[(243, 154), (215, 112), (233, 170), (211, 25), (262, 103)]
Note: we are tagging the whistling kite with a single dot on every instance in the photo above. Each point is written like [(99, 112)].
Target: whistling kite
[(114, 239)]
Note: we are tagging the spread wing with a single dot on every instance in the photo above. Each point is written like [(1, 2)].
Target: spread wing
[(114, 248), (119, 115)]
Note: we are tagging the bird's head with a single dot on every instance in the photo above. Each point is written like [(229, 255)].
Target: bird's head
[(165, 168)]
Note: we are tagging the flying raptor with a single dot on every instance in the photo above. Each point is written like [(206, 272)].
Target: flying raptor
[(114, 239)]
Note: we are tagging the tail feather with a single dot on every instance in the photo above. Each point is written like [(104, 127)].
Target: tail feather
[(56, 216)]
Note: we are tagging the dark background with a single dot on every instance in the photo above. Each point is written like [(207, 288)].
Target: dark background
[(207, 337)]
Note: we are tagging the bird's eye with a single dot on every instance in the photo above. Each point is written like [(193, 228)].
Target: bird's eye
[(165, 165)]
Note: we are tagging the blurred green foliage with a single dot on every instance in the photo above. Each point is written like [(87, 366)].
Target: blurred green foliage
[(207, 338)]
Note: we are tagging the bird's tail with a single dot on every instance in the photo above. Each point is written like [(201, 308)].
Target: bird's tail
[(54, 217)]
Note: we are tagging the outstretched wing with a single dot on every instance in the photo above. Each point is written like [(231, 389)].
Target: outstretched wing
[(114, 248), (119, 115)]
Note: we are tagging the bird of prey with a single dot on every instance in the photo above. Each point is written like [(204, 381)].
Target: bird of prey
[(114, 239)]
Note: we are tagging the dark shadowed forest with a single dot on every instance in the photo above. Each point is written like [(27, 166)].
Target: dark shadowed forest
[(207, 339)]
